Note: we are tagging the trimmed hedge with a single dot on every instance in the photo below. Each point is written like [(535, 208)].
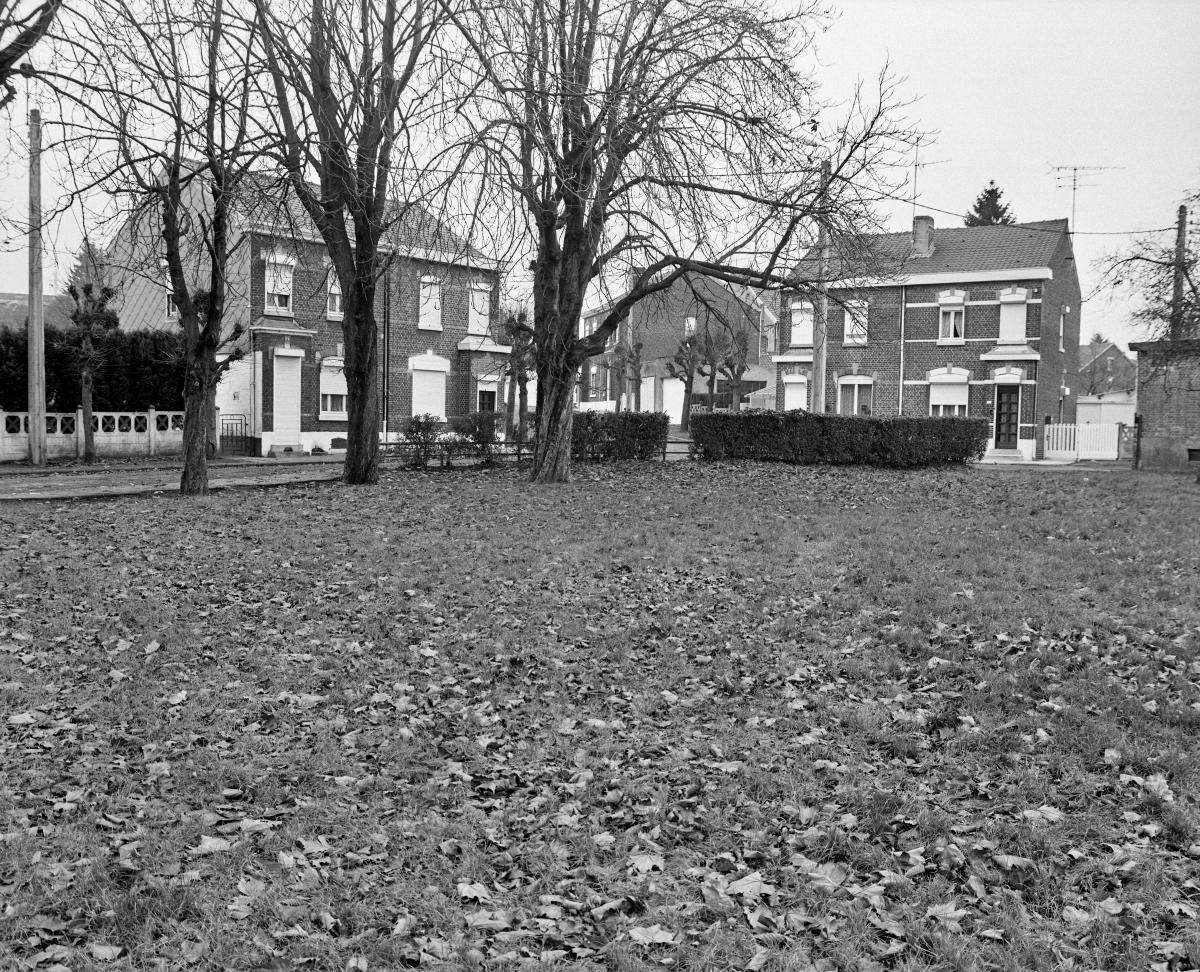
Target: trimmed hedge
[(141, 369), (805, 437), (618, 435)]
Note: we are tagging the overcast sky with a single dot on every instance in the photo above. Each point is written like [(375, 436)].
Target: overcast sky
[(1010, 87)]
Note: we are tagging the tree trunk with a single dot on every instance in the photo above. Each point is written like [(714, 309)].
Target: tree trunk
[(86, 380), (522, 408), (556, 416), (510, 402), (359, 328), (637, 391), (735, 402), (712, 390), (199, 402), (685, 420)]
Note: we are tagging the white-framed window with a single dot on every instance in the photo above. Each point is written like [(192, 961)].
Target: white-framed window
[(428, 373), (689, 327), (429, 310), (947, 411), (952, 317), (333, 302), (1012, 315), (171, 310), (278, 287), (856, 395), (597, 384), (948, 398), (803, 316), (856, 323), (333, 390), (479, 315), (1062, 335)]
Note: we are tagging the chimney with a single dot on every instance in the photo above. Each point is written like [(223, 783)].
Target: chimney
[(922, 236)]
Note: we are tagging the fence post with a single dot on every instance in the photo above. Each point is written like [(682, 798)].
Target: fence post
[(217, 429), (152, 429)]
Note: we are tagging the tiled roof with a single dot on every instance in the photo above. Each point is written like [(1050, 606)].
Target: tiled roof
[(270, 202), (956, 249), (14, 309)]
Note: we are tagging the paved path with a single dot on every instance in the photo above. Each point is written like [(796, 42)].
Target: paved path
[(138, 480)]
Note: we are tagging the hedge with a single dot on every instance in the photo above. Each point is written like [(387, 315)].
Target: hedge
[(804, 437), (618, 435), (142, 369)]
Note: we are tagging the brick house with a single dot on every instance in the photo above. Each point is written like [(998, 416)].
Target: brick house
[(436, 306), (1168, 395), (980, 321), (1103, 367), (693, 304)]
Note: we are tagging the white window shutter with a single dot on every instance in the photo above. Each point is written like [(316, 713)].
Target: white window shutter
[(429, 393), (430, 313)]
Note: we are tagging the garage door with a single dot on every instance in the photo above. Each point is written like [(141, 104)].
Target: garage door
[(285, 399)]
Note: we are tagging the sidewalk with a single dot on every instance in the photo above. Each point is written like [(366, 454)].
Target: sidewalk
[(21, 483)]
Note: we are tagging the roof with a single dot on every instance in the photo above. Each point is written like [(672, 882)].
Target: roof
[(14, 309), (1102, 348), (415, 230), (956, 249)]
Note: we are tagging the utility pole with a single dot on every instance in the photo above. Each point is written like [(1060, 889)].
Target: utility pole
[(1176, 327), (37, 324), (821, 318)]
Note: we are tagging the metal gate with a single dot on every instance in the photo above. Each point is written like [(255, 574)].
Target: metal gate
[(235, 436)]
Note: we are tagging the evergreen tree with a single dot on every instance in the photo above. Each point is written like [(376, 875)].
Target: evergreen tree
[(988, 209), (89, 268)]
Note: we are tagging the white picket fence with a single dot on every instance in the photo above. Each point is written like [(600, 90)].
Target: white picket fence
[(1093, 440), (117, 434)]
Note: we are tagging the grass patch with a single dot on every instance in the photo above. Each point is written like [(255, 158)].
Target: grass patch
[(694, 716)]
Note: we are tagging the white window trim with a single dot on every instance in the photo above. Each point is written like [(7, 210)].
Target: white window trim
[(429, 280), (855, 337), (1011, 297), (479, 287), (952, 301), (1062, 335), (335, 287), (855, 381), (332, 362), (279, 260), (801, 305)]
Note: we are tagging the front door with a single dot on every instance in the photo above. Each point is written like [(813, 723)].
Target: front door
[(1008, 398)]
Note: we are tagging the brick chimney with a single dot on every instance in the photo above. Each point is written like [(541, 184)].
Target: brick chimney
[(922, 237)]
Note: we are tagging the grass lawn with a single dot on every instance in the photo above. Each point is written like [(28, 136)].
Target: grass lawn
[(698, 717)]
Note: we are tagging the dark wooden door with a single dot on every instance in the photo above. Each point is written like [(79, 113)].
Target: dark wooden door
[(1007, 415)]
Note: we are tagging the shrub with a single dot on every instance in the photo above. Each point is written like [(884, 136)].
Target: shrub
[(804, 437), (421, 432), (480, 429), (618, 435)]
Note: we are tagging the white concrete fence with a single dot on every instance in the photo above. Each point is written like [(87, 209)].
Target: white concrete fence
[(149, 433), (1093, 440)]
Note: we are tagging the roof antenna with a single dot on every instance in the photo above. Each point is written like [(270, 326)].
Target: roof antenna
[(1060, 180)]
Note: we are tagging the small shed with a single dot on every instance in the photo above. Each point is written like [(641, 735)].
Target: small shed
[(1106, 408), (1168, 400)]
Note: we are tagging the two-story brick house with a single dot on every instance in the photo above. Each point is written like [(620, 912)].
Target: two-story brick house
[(692, 305), (436, 307), (980, 321)]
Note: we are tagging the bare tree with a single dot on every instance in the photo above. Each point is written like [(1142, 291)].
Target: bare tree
[(673, 136), (1165, 285), (345, 98), (91, 324), (684, 365), (22, 25), (158, 95)]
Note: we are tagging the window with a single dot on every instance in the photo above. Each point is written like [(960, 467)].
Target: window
[(1062, 335), (1012, 316), (689, 326), (429, 314), (946, 411), (279, 288), (480, 313), (802, 324), (856, 323), (766, 338), (333, 306), (855, 396), (948, 398), (952, 317), (487, 400), (428, 372), (172, 310), (597, 384), (333, 390)]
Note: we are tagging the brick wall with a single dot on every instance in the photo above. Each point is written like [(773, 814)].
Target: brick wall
[(1168, 402)]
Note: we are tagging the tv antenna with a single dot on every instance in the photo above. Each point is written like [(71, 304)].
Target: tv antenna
[(1068, 175), (917, 165)]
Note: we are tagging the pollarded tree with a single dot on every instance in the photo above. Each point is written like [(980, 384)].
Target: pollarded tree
[(988, 209), (671, 136), (347, 93), (157, 92), (684, 366), (91, 324)]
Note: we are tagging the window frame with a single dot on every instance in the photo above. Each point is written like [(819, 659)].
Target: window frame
[(479, 287), (856, 382), (434, 286), (334, 290), (810, 312), (275, 310), (332, 365), (855, 312)]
